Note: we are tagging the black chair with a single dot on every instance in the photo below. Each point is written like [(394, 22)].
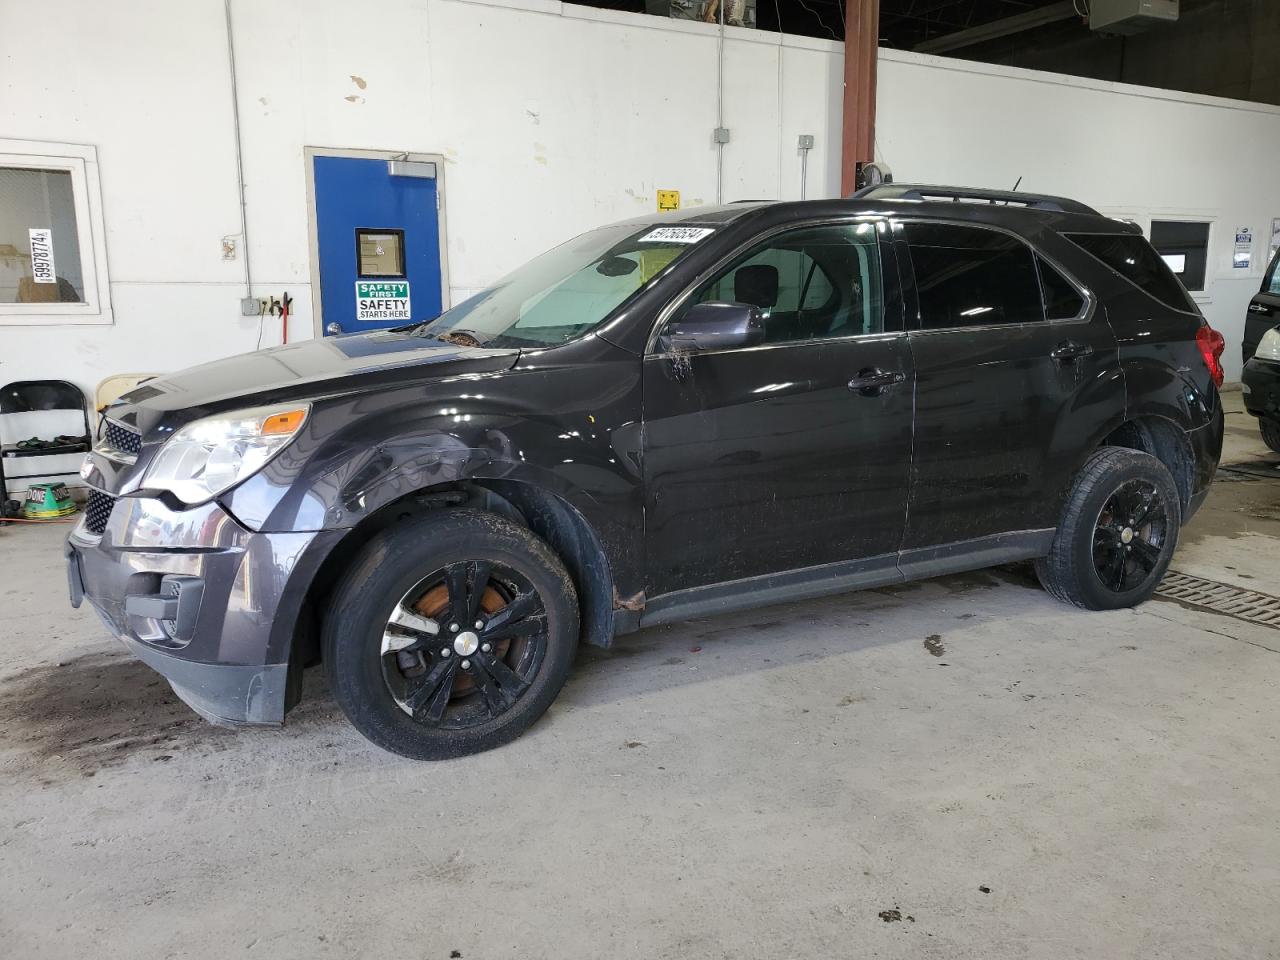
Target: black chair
[(30, 396)]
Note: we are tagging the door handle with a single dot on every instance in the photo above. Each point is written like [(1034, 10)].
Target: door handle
[(333, 328), (1069, 351), (1259, 308), (872, 381)]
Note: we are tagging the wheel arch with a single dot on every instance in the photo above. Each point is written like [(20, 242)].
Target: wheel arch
[(548, 515), (1164, 440)]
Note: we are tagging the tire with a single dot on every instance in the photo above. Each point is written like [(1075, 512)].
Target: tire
[(1099, 559), (1270, 433), (469, 690)]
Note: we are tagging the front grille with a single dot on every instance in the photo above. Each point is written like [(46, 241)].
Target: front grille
[(119, 437), (97, 511)]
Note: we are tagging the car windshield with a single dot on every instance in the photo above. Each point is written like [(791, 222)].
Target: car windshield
[(566, 292)]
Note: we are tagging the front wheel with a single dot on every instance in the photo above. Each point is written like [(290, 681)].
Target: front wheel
[(450, 634), (1118, 532)]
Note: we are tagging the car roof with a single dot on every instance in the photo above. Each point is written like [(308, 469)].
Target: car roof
[(1019, 212)]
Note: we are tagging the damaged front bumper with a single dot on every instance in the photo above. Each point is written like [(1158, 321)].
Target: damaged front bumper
[(204, 601)]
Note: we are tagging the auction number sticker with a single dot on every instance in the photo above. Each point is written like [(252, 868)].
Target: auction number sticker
[(378, 300), (42, 270), (677, 234)]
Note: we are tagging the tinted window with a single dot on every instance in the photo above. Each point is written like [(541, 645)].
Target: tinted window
[(811, 283), (1061, 300), (1134, 259), (1184, 247), (967, 276)]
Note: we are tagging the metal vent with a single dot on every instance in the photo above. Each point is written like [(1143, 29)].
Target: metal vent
[(97, 511), (1233, 601)]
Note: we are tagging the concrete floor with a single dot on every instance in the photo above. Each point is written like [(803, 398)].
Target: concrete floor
[(961, 768)]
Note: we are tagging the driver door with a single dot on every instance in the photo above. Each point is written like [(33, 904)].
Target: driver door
[(795, 452)]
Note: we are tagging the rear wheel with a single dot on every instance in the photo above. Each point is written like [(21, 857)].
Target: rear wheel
[(1270, 433), (1118, 532), (450, 635)]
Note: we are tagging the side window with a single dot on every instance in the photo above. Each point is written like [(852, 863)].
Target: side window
[(1272, 282), (969, 276), (811, 283), (1135, 260), (1061, 300)]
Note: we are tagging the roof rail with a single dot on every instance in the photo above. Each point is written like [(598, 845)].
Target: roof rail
[(923, 192)]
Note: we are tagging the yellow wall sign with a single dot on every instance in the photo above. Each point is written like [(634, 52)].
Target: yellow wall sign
[(668, 199)]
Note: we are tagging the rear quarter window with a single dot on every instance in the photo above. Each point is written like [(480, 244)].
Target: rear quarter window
[(1135, 260)]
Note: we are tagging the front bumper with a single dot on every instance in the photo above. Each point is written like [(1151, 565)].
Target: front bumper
[(1260, 382), (227, 654)]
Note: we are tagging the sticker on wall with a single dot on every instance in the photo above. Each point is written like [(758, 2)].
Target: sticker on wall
[(378, 300), (668, 199), (677, 234), (1244, 249), (42, 270)]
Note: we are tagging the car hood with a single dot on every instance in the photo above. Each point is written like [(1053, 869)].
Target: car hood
[(301, 371)]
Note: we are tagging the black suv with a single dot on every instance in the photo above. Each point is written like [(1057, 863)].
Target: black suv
[(1261, 353), (660, 419)]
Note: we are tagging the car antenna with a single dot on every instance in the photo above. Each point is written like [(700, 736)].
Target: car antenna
[(1016, 185)]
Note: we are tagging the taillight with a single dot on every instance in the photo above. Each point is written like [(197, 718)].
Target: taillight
[(1211, 346)]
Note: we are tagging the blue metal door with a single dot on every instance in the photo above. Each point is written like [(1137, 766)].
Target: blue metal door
[(378, 234)]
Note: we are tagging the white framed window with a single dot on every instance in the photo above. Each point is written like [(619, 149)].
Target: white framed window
[(53, 255)]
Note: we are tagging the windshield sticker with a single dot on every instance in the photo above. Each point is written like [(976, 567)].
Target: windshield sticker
[(677, 234)]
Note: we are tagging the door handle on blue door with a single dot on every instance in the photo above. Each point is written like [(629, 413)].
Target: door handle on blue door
[(872, 381), (1069, 351)]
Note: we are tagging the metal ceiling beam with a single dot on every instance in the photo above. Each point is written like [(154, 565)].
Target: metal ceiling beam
[(999, 28)]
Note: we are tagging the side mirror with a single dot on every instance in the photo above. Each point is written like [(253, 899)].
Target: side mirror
[(714, 326)]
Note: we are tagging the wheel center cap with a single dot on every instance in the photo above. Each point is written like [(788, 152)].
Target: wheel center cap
[(1126, 535), (466, 643)]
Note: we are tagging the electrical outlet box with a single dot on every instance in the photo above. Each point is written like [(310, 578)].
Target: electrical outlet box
[(250, 306), (720, 135), (806, 141)]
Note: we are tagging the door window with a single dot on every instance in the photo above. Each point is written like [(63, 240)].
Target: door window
[(381, 253), (969, 276), (1062, 301), (811, 283), (1272, 282)]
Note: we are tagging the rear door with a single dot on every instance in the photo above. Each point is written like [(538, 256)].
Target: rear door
[(1264, 310), (1010, 356)]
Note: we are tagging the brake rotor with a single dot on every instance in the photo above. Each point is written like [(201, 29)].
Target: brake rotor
[(435, 602)]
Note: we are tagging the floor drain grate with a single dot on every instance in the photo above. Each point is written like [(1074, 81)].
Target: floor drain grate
[(1224, 598)]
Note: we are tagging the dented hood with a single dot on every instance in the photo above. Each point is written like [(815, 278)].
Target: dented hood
[(302, 371)]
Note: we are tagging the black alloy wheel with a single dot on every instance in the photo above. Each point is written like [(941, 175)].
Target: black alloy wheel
[(464, 644), (1129, 536), (1117, 533), (450, 633)]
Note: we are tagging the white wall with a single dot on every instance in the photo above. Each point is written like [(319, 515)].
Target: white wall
[(552, 118)]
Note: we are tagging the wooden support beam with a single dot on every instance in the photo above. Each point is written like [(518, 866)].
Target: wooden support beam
[(861, 44)]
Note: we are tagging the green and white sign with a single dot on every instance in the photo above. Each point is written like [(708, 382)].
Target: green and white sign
[(378, 300)]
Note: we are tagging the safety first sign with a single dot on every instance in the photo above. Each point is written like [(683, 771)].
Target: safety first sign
[(378, 300)]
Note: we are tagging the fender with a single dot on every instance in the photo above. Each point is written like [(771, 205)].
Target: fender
[(360, 452)]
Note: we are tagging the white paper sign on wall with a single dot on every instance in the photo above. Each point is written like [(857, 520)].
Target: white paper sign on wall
[(381, 300), (42, 270)]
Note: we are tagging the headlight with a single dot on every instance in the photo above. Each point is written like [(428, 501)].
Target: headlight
[(1269, 345), (212, 455)]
